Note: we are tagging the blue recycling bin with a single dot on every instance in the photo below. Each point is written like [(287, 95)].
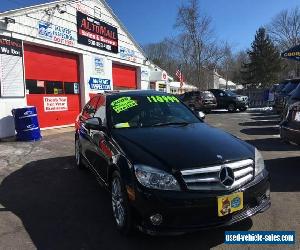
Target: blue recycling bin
[(27, 124)]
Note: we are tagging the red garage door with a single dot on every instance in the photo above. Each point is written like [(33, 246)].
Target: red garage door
[(52, 85), (124, 77)]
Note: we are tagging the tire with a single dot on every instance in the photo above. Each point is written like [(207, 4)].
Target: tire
[(231, 108), (120, 206), (78, 156), (243, 109)]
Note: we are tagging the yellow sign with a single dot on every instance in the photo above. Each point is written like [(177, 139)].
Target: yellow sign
[(122, 125), (162, 98), (230, 203), (122, 104)]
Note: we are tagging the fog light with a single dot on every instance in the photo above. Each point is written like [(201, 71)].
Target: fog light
[(268, 193), (156, 219)]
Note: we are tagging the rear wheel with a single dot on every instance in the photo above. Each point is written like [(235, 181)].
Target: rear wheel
[(78, 157), (231, 107), (120, 205)]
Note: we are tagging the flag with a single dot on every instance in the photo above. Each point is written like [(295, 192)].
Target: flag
[(179, 75)]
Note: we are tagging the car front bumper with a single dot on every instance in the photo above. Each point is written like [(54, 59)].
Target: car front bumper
[(187, 211)]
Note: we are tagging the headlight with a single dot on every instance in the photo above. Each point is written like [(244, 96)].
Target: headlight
[(154, 178), (259, 162)]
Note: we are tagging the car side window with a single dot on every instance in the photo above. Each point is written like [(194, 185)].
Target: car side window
[(90, 108), (101, 109)]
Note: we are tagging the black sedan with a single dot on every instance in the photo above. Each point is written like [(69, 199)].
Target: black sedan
[(290, 125), (168, 171)]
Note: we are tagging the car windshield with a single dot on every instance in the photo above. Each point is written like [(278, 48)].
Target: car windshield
[(296, 93), (149, 111), (280, 87), (207, 94), (289, 87), (230, 93)]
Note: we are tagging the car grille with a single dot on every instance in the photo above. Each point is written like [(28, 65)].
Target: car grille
[(207, 178)]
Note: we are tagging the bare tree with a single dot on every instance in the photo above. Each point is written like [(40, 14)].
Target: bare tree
[(285, 28), (198, 42), (285, 32)]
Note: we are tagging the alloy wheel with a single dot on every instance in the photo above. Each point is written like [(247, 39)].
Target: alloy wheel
[(118, 202), (77, 152)]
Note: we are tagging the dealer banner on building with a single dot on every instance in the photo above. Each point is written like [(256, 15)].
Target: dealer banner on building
[(95, 33), (11, 67)]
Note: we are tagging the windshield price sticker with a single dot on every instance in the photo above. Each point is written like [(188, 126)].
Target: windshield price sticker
[(162, 98), (122, 104)]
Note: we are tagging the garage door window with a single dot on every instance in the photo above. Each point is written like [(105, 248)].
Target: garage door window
[(55, 88), (34, 87), (51, 87)]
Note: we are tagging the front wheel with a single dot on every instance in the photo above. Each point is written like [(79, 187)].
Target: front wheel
[(78, 159), (231, 107), (120, 206)]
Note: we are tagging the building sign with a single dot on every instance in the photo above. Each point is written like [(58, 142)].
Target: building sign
[(99, 84), (56, 33), (11, 67), (292, 53), (95, 33), (145, 74), (99, 66), (54, 104), (127, 54)]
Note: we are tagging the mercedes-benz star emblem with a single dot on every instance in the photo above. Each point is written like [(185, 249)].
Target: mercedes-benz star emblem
[(226, 176)]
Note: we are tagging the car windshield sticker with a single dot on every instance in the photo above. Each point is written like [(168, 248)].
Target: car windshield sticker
[(162, 98), (122, 104), (122, 125)]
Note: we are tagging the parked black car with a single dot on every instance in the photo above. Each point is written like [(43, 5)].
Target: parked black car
[(290, 125), (284, 94), (230, 100), (293, 97), (199, 100), (166, 170)]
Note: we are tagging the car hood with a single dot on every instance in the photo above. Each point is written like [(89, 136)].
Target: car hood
[(181, 147)]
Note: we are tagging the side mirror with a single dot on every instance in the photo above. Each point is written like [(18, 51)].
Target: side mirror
[(94, 123), (201, 115)]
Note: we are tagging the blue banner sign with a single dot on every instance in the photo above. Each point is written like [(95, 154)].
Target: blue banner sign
[(99, 84), (259, 237), (292, 53)]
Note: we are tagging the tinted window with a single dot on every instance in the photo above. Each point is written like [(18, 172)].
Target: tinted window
[(35, 87), (146, 111), (90, 108), (296, 94), (289, 87), (101, 109)]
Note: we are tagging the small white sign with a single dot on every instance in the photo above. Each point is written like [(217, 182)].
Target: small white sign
[(55, 104)]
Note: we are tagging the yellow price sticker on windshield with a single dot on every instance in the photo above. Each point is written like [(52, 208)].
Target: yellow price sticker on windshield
[(162, 98), (122, 104)]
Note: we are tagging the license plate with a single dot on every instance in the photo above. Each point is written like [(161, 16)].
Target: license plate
[(228, 204), (297, 116)]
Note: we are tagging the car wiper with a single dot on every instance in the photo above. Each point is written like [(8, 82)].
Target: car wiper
[(169, 123)]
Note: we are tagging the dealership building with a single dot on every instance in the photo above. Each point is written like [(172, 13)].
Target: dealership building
[(56, 56)]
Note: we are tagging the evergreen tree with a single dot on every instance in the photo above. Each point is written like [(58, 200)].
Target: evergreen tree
[(265, 63)]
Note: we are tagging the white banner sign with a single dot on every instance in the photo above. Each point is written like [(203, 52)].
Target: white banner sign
[(54, 104)]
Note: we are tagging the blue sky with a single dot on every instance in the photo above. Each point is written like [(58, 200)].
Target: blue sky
[(150, 21)]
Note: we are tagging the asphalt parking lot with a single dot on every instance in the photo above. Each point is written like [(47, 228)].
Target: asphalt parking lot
[(46, 203)]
